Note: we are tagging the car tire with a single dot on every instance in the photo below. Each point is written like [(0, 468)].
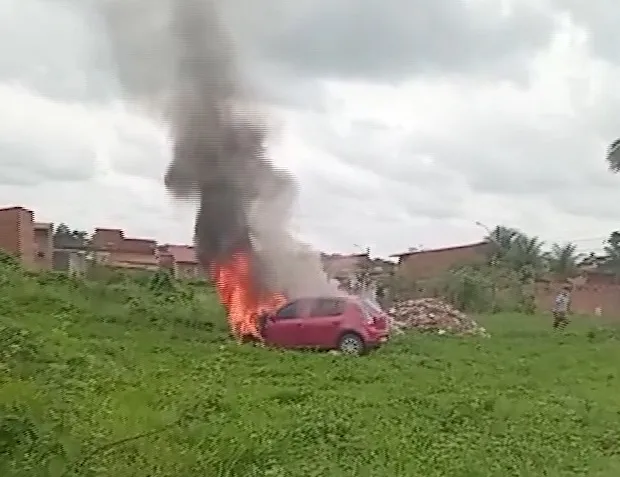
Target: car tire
[(351, 344)]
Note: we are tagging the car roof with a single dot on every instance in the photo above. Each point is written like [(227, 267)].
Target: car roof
[(326, 297)]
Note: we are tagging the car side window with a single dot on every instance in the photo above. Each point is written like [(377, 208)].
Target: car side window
[(289, 311), (327, 307)]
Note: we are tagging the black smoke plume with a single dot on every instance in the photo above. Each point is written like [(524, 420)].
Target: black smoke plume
[(176, 59)]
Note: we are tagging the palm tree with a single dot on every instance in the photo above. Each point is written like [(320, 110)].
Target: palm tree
[(563, 260), (503, 238), (613, 156), (526, 255), (65, 237), (612, 254)]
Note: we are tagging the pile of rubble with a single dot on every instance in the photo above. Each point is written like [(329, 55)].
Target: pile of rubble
[(433, 315)]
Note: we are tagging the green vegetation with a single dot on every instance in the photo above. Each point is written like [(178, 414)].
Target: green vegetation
[(613, 156), (504, 280), (137, 377)]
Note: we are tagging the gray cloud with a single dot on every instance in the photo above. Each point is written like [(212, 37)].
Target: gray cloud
[(556, 161), (286, 89), (367, 185), (422, 188), (390, 40), (509, 157), (57, 47), (378, 186), (138, 151), (53, 47), (600, 20), (72, 164), (141, 212), (43, 141)]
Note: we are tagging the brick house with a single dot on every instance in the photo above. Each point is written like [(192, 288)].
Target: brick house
[(343, 267), (17, 234), (111, 248), (44, 245), (21, 237), (424, 264), (181, 260)]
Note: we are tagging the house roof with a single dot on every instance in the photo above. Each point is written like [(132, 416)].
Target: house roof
[(442, 249), (15, 207), (181, 253), (138, 245), (107, 238), (335, 256), (115, 240)]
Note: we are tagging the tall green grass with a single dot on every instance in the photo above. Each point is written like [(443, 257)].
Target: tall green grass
[(124, 378)]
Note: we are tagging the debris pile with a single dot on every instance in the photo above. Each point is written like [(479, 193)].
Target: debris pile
[(433, 315)]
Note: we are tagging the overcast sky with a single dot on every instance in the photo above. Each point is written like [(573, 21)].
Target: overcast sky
[(405, 121)]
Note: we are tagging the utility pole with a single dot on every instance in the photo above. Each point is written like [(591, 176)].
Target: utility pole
[(494, 274), (364, 271)]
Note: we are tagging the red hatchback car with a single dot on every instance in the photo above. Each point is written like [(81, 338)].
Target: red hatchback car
[(348, 324)]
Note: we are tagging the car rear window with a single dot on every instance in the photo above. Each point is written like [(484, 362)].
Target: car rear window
[(328, 307), (371, 309)]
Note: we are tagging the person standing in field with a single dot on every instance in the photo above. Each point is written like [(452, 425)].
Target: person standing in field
[(561, 308)]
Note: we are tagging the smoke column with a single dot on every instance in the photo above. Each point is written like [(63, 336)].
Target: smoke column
[(176, 60)]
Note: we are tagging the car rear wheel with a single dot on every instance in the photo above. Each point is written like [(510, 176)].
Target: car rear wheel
[(351, 344)]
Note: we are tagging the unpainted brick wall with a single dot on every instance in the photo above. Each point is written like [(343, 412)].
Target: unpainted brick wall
[(585, 298), (17, 234)]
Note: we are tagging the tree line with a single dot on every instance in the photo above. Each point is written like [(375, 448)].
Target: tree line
[(505, 279), (532, 259)]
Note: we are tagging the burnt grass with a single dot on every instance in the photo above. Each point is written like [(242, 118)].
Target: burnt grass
[(118, 377)]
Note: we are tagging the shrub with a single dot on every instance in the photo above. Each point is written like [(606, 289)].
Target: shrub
[(476, 288)]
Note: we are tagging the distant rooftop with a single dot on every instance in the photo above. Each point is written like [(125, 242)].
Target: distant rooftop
[(180, 253), (442, 249)]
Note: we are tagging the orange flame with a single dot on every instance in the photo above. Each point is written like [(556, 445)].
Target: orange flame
[(243, 305)]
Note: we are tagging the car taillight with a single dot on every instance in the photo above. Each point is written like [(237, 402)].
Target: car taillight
[(376, 321), (371, 319)]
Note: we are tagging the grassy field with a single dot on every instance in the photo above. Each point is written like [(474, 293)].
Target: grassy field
[(113, 379)]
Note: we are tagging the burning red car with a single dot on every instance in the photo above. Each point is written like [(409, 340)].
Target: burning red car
[(348, 324)]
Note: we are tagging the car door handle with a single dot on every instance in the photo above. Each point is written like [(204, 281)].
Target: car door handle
[(298, 325)]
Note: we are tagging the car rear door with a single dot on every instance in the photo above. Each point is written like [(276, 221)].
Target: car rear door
[(321, 327), (284, 328)]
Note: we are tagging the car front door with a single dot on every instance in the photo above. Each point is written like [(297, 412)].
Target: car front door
[(321, 326), (283, 328)]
